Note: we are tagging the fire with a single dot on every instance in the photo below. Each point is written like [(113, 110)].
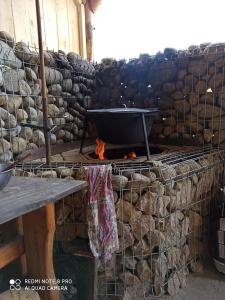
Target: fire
[(131, 155), (100, 149)]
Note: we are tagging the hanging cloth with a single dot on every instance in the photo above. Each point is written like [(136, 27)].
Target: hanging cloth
[(101, 215)]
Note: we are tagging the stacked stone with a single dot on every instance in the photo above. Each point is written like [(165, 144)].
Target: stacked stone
[(69, 94), (162, 216), (160, 221), (187, 86)]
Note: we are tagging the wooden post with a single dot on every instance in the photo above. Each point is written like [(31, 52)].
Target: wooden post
[(39, 229), (43, 85)]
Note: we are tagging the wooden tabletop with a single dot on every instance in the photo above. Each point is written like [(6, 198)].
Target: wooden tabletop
[(25, 194)]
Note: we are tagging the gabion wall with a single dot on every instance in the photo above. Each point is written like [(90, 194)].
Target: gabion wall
[(187, 86), (163, 211), (69, 80)]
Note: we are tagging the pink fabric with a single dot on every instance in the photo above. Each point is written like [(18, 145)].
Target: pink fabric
[(101, 215)]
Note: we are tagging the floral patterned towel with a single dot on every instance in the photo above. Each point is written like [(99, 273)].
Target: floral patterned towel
[(101, 215)]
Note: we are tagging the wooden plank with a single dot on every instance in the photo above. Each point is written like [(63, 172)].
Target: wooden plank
[(39, 229), (22, 259), (6, 17), (62, 25), (73, 26), (11, 251), (24, 194), (21, 21), (50, 24)]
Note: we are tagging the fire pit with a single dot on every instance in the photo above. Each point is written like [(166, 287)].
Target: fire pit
[(123, 125)]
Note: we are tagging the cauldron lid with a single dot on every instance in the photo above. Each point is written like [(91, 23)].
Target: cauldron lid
[(122, 111)]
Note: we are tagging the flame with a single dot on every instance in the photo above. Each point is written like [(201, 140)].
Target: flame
[(131, 155), (100, 149)]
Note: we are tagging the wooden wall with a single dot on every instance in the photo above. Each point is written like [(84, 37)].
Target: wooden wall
[(61, 23)]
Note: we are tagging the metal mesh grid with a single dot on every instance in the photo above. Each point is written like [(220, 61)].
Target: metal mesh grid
[(69, 80), (163, 211), (187, 85)]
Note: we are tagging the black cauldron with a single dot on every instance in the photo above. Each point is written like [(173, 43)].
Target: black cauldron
[(122, 125)]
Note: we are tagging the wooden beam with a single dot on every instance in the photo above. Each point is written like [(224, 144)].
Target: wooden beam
[(39, 229), (22, 259), (11, 251), (81, 28)]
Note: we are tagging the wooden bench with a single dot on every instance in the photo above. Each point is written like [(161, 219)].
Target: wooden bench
[(30, 202)]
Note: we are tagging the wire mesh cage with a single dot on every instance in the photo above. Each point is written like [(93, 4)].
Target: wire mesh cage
[(69, 80), (163, 209), (187, 86)]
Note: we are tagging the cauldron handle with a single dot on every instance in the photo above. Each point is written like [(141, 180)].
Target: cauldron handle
[(145, 135)]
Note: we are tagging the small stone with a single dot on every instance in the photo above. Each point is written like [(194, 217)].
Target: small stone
[(55, 89), (157, 187), (26, 133), (67, 85), (7, 56), (47, 174), (39, 138), (28, 102), (32, 114), (10, 122), (64, 172), (126, 212), (13, 103), (4, 146), (53, 110), (20, 295), (18, 145), (119, 182), (129, 279), (173, 284), (3, 99), (30, 74), (138, 181), (143, 271), (6, 156), (142, 226), (7, 38), (53, 138), (131, 197), (23, 52), (21, 115)]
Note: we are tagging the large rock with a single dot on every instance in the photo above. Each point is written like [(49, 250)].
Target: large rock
[(7, 38), (26, 133), (7, 56), (39, 138), (138, 181), (3, 97), (14, 82), (142, 226), (52, 76), (143, 271), (119, 182), (13, 103), (21, 115), (4, 146), (18, 145), (126, 212), (53, 110), (129, 279)]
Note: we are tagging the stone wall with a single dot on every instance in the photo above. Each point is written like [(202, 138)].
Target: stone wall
[(187, 86), (162, 210), (69, 81)]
